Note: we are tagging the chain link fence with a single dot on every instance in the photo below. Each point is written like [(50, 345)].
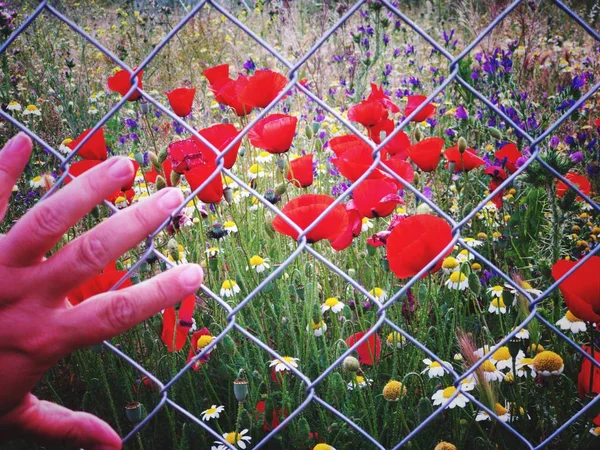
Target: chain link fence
[(536, 144)]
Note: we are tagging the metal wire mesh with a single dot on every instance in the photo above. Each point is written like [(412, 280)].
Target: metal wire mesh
[(535, 144)]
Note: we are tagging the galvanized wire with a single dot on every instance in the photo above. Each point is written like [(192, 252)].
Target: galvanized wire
[(536, 144)]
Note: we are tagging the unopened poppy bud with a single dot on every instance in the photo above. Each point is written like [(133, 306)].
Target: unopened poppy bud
[(474, 283), (315, 127), (337, 387), (424, 409), (281, 164), (175, 178), (162, 156), (382, 135), (303, 430), (242, 151), (318, 145), (144, 107), (139, 158), (418, 135), (280, 189), (423, 208), (154, 160), (351, 364), (308, 131), (228, 345), (462, 144), (495, 132), (173, 249), (228, 195), (160, 183)]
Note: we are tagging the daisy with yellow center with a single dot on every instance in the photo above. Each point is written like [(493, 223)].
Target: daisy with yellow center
[(548, 363), (571, 323), (497, 306), (359, 382), (490, 371), (496, 291), (229, 288), (378, 293), (595, 431), (317, 328), (259, 264), (457, 280), (502, 358), (212, 413), (280, 366), (332, 304), (471, 242), (501, 412), (323, 447), (63, 148), (45, 180), (121, 202), (394, 391), (443, 396), (445, 446), (213, 251), (93, 110), (465, 256), (264, 157), (14, 106), (230, 227), (468, 383), (526, 287), (366, 224), (434, 369), (395, 339), (240, 439), (522, 334), (256, 171), (450, 264), (524, 366), (32, 110), (476, 267)]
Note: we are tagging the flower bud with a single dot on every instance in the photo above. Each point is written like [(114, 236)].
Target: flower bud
[(462, 144), (337, 387), (281, 164), (303, 430), (418, 135), (495, 133), (474, 283), (175, 178), (423, 208), (351, 364), (315, 127), (160, 183), (280, 189), (155, 162), (162, 156), (139, 158), (228, 345), (228, 195), (308, 131)]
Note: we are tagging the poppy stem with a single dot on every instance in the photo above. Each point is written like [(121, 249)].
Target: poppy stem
[(592, 367)]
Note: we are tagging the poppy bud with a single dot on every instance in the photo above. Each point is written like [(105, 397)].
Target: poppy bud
[(418, 135), (242, 151), (462, 144), (337, 387), (228, 195), (175, 178), (173, 249), (315, 127), (228, 345), (474, 283), (139, 158), (280, 189), (495, 133), (282, 164), (309, 132), (272, 197), (424, 409), (160, 183), (154, 161), (162, 156), (303, 431), (145, 107), (351, 364), (423, 208), (318, 145)]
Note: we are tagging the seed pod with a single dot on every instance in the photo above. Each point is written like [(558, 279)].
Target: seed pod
[(315, 127), (351, 364), (462, 144)]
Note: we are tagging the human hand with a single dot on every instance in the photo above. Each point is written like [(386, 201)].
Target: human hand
[(38, 326)]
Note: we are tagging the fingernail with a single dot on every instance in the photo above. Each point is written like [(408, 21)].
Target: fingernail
[(121, 168), (192, 276), (171, 199)]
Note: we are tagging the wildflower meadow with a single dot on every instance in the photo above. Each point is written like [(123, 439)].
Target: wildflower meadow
[(356, 295)]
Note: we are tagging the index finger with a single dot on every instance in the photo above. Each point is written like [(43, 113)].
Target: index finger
[(13, 159)]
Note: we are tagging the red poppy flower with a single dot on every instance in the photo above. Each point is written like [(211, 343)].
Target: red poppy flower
[(181, 100), (185, 155), (274, 133), (597, 123), (120, 83), (508, 156), (399, 144), (414, 101), (303, 211), (583, 380), (355, 162), (369, 351), (119, 196), (194, 348), (345, 142), (353, 229), (81, 167), (401, 168), (217, 73), (496, 199), (367, 113), (213, 192), (415, 242), (301, 171), (377, 95), (426, 153), (496, 173), (151, 175), (228, 93), (276, 413), (376, 198), (167, 169), (262, 88), (465, 162), (98, 285), (580, 181), (581, 290), (220, 136), (175, 329), (94, 148)]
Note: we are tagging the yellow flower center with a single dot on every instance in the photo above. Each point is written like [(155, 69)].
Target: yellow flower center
[(547, 360), (449, 391), (571, 317), (229, 224), (31, 108), (498, 303), (488, 366), (482, 236), (445, 446), (527, 361), (434, 364), (376, 291), (228, 284), (36, 179), (204, 340), (502, 354), (499, 409), (450, 263), (393, 390), (255, 169), (231, 437), (525, 285), (497, 289), (394, 336), (264, 154), (360, 379), (457, 277), (211, 411), (256, 261), (322, 447), (317, 326), (476, 267), (289, 360), (331, 302)]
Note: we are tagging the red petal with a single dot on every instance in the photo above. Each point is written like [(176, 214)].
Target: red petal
[(274, 133), (508, 155), (374, 198), (301, 171), (414, 101), (168, 328), (367, 113), (94, 148), (181, 100), (262, 88), (581, 289), (465, 162), (578, 180), (426, 153), (120, 83), (369, 351), (220, 136), (213, 192)]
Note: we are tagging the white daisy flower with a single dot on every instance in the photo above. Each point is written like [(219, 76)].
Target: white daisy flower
[(332, 304), (212, 413), (378, 293), (465, 256), (259, 264), (468, 383), (495, 291), (32, 110), (229, 288), (526, 286), (317, 328), (491, 372), (213, 251), (524, 366), (281, 367), (457, 280), (482, 351), (230, 227), (14, 106), (450, 264), (63, 146), (395, 339), (45, 180), (256, 171), (503, 359), (434, 369), (93, 110), (501, 413), (522, 334), (264, 157), (571, 323), (442, 397), (359, 382), (471, 242), (366, 224), (241, 440), (497, 306)]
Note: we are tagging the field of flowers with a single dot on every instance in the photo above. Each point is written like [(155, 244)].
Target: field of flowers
[(373, 71)]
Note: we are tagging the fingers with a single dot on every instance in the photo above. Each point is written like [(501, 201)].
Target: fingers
[(85, 256), (109, 314), (45, 421), (43, 226), (13, 158)]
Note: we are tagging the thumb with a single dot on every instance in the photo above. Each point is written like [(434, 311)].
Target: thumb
[(46, 421)]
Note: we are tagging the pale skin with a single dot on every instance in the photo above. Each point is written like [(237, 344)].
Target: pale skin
[(37, 324)]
